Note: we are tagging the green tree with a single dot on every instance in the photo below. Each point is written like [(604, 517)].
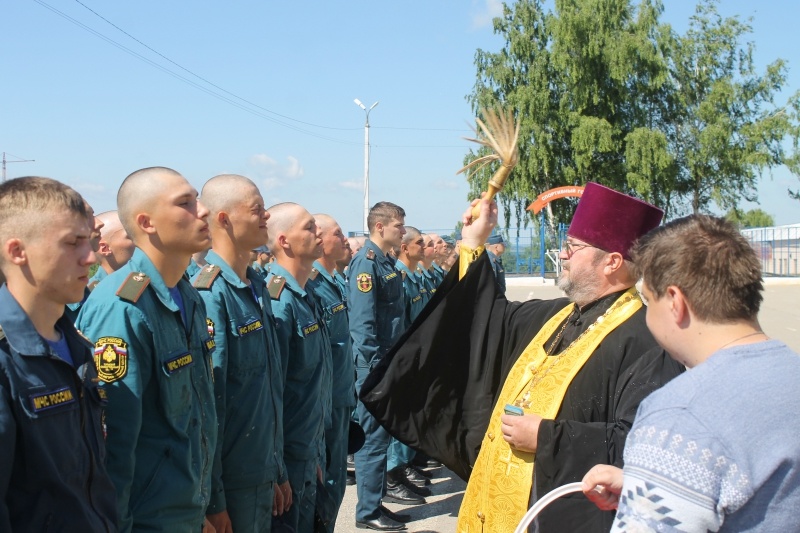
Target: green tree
[(606, 92), (754, 218), (726, 130)]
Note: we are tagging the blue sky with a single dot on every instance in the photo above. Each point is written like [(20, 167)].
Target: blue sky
[(267, 91)]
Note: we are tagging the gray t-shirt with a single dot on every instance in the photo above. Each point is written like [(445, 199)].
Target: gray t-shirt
[(718, 447)]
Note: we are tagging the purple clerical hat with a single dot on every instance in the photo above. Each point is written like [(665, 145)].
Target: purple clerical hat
[(611, 220)]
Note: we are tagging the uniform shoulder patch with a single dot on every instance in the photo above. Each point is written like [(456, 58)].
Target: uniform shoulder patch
[(314, 274), (206, 276), (370, 254), (364, 282), (133, 286), (111, 358), (276, 285)]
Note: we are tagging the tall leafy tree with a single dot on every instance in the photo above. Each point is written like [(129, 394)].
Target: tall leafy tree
[(606, 92), (754, 218), (727, 129)]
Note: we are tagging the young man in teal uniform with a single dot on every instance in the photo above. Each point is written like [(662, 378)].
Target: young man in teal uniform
[(96, 224), (495, 248), (331, 296), (377, 307), (52, 471), (249, 477), (305, 353), (399, 468), (114, 248), (153, 355), (438, 247), (425, 266)]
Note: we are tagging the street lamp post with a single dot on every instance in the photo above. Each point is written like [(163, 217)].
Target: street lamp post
[(366, 160)]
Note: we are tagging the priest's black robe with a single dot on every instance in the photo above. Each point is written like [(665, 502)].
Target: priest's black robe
[(436, 388)]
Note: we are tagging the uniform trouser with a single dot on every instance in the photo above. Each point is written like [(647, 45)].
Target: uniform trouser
[(250, 509), (399, 455), (303, 479), (336, 438), (370, 460)]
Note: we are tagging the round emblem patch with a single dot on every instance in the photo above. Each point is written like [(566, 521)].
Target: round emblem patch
[(364, 282)]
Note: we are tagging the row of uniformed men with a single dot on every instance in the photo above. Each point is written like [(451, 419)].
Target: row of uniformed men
[(223, 406)]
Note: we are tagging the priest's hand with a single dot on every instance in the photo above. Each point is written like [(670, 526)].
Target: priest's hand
[(475, 232), (521, 432), (602, 485)]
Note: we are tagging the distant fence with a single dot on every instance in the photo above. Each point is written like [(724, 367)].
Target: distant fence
[(524, 251), (778, 248)]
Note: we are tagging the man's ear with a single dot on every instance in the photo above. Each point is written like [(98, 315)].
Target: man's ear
[(145, 223), (14, 252), (679, 306), (614, 262), (222, 219), (103, 248)]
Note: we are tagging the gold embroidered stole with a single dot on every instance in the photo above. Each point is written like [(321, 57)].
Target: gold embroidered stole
[(499, 487)]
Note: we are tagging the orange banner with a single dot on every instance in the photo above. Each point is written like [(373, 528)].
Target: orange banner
[(554, 194)]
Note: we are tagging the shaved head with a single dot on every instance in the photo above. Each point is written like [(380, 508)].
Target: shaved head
[(139, 191), (111, 223), (411, 235), (325, 222), (281, 219), (221, 193)]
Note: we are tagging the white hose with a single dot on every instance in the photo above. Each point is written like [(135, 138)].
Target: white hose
[(544, 501)]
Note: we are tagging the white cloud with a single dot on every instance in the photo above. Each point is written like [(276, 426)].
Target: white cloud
[(271, 174), (483, 11), (354, 185), (445, 185)]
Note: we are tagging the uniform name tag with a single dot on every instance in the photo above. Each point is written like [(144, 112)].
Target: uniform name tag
[(387, 277), (210, 344), (48, 400), (338, 308), (311, 328), (250, 327), (177, 363)]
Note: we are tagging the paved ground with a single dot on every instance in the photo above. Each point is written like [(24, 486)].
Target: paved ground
[(780, 318)]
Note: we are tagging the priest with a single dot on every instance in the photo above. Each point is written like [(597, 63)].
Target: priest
[(523, 397)]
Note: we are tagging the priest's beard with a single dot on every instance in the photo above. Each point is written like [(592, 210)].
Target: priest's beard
[(580, 281)]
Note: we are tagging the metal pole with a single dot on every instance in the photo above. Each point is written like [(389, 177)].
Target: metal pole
[(366, 174), (366, 160)]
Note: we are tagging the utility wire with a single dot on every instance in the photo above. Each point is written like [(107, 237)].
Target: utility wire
[(204, 79), (187, 80), (121, 30), (221, 96)]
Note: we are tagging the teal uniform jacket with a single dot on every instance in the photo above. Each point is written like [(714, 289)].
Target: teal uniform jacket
[(427, 280), (499, 271), (415, 298), (248, 382), (192, 269), (438, 273), (305, 351), (99, 275), (261, 271), (161, 422), (376, 303), (334, 309)]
